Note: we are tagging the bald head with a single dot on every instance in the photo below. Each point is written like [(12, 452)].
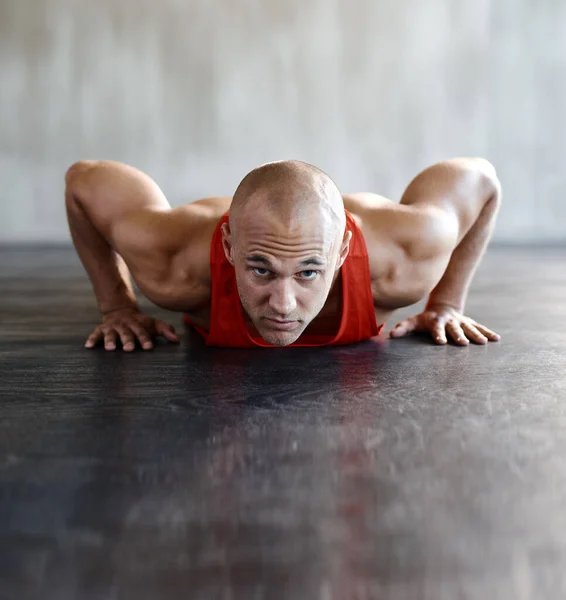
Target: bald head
[(287, 240), (290, 191)]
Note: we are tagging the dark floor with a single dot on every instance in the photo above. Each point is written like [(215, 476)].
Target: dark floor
[(402, 471)]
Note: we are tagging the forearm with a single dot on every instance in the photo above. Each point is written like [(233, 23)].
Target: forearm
[(107, 271), (453, 288)]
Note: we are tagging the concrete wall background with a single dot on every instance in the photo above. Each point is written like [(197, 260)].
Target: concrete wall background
[(198, 92)]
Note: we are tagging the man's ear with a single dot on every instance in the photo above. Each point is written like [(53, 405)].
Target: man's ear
[(227, 242), (344, 249)]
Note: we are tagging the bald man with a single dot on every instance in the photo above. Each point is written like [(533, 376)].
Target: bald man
[(288, 260)]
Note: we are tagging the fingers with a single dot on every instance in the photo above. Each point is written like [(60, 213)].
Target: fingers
[(490, 335), (404, 327), (166, 330), (463, 333), (110, 339), (456, 333), (93, 338), (160, 328), (442, 325), (474, 334), (127, 339), (438, 333), (130, 330), (142, 335)]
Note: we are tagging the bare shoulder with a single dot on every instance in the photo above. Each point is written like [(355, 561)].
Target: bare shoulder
[(191, 229), (179, 229), (170, 251), (408, 247), (188, 233)]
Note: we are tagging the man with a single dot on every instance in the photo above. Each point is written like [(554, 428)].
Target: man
[(287, 260)]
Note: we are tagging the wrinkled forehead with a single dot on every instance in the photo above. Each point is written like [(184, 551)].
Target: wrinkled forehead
[(312, 230)]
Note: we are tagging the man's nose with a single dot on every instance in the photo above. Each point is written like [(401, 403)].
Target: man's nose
[(282, 299)]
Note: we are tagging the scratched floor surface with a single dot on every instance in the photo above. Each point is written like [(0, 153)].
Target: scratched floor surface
[(398, 471)]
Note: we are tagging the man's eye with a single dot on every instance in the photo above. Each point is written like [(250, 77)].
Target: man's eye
[(308, 274), (260, 272)]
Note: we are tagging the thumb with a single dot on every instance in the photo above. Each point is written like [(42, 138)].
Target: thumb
[(167, 331), (403, 328)]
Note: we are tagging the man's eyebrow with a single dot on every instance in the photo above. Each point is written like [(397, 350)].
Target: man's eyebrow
[(259, 259), (313, 261), (308, 262)]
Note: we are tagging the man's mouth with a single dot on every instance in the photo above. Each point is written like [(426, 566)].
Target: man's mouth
[(282, 324)]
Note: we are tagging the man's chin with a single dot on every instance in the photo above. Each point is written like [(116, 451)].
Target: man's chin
[(280, 338)]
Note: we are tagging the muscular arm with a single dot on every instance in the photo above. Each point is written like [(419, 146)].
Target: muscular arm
[(459, 200), (103, 201), (119, 221)]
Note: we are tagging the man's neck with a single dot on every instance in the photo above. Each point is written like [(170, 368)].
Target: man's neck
[(328, 320)]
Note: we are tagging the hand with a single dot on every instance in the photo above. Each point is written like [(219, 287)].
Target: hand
[(442, 320), (130, 325)]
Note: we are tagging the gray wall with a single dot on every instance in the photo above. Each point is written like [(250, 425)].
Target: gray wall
[(198, 92)]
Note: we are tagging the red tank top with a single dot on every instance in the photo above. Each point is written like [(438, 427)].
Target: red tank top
[(227, 325)]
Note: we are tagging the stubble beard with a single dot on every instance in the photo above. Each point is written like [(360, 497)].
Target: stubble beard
[(277, 339)]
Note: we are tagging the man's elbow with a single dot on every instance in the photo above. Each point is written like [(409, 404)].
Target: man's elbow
[(489, 180)]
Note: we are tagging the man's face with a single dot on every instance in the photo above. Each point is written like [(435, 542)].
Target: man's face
[(284, 271)]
